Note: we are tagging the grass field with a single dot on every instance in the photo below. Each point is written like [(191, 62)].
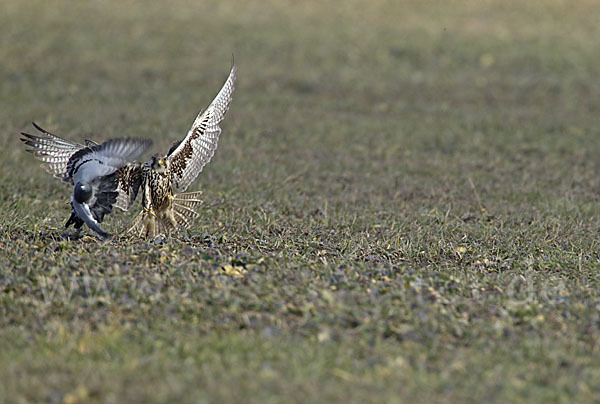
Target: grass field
[(404, 205)]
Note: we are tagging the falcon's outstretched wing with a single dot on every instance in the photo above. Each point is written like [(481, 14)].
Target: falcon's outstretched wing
[(129, 180), (54, 151), (197, 148)]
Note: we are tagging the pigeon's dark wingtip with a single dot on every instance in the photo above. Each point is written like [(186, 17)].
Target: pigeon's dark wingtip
[(104, 237), (38, 127)]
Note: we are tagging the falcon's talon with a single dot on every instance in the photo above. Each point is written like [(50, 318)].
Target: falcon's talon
[(150, 211)]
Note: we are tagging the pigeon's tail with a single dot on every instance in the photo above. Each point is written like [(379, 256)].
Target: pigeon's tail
[(74, 220), (181, 213)]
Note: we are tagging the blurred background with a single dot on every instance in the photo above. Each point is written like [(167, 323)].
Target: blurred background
[(403, 204), (347, 101)]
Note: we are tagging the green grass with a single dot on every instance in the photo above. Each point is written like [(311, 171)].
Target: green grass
[(403, 206)]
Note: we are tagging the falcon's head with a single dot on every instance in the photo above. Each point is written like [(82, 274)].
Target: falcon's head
[(159, 163)]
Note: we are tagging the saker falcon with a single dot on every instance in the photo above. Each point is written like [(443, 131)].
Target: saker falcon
[(162, 210)]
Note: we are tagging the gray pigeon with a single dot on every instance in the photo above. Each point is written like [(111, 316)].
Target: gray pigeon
[(92, 171)]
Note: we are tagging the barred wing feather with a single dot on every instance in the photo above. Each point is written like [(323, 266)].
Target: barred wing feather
[(54, 151), (190, 156), (129, 180)]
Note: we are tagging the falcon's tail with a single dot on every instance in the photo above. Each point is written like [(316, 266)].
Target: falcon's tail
[(181, 214), (137, 225), (184, 205)]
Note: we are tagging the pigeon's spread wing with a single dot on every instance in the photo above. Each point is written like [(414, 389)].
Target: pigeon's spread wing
[(97, 165), (104, 196), (97, 161), (129, 180), (54, 151), (197, 148)]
